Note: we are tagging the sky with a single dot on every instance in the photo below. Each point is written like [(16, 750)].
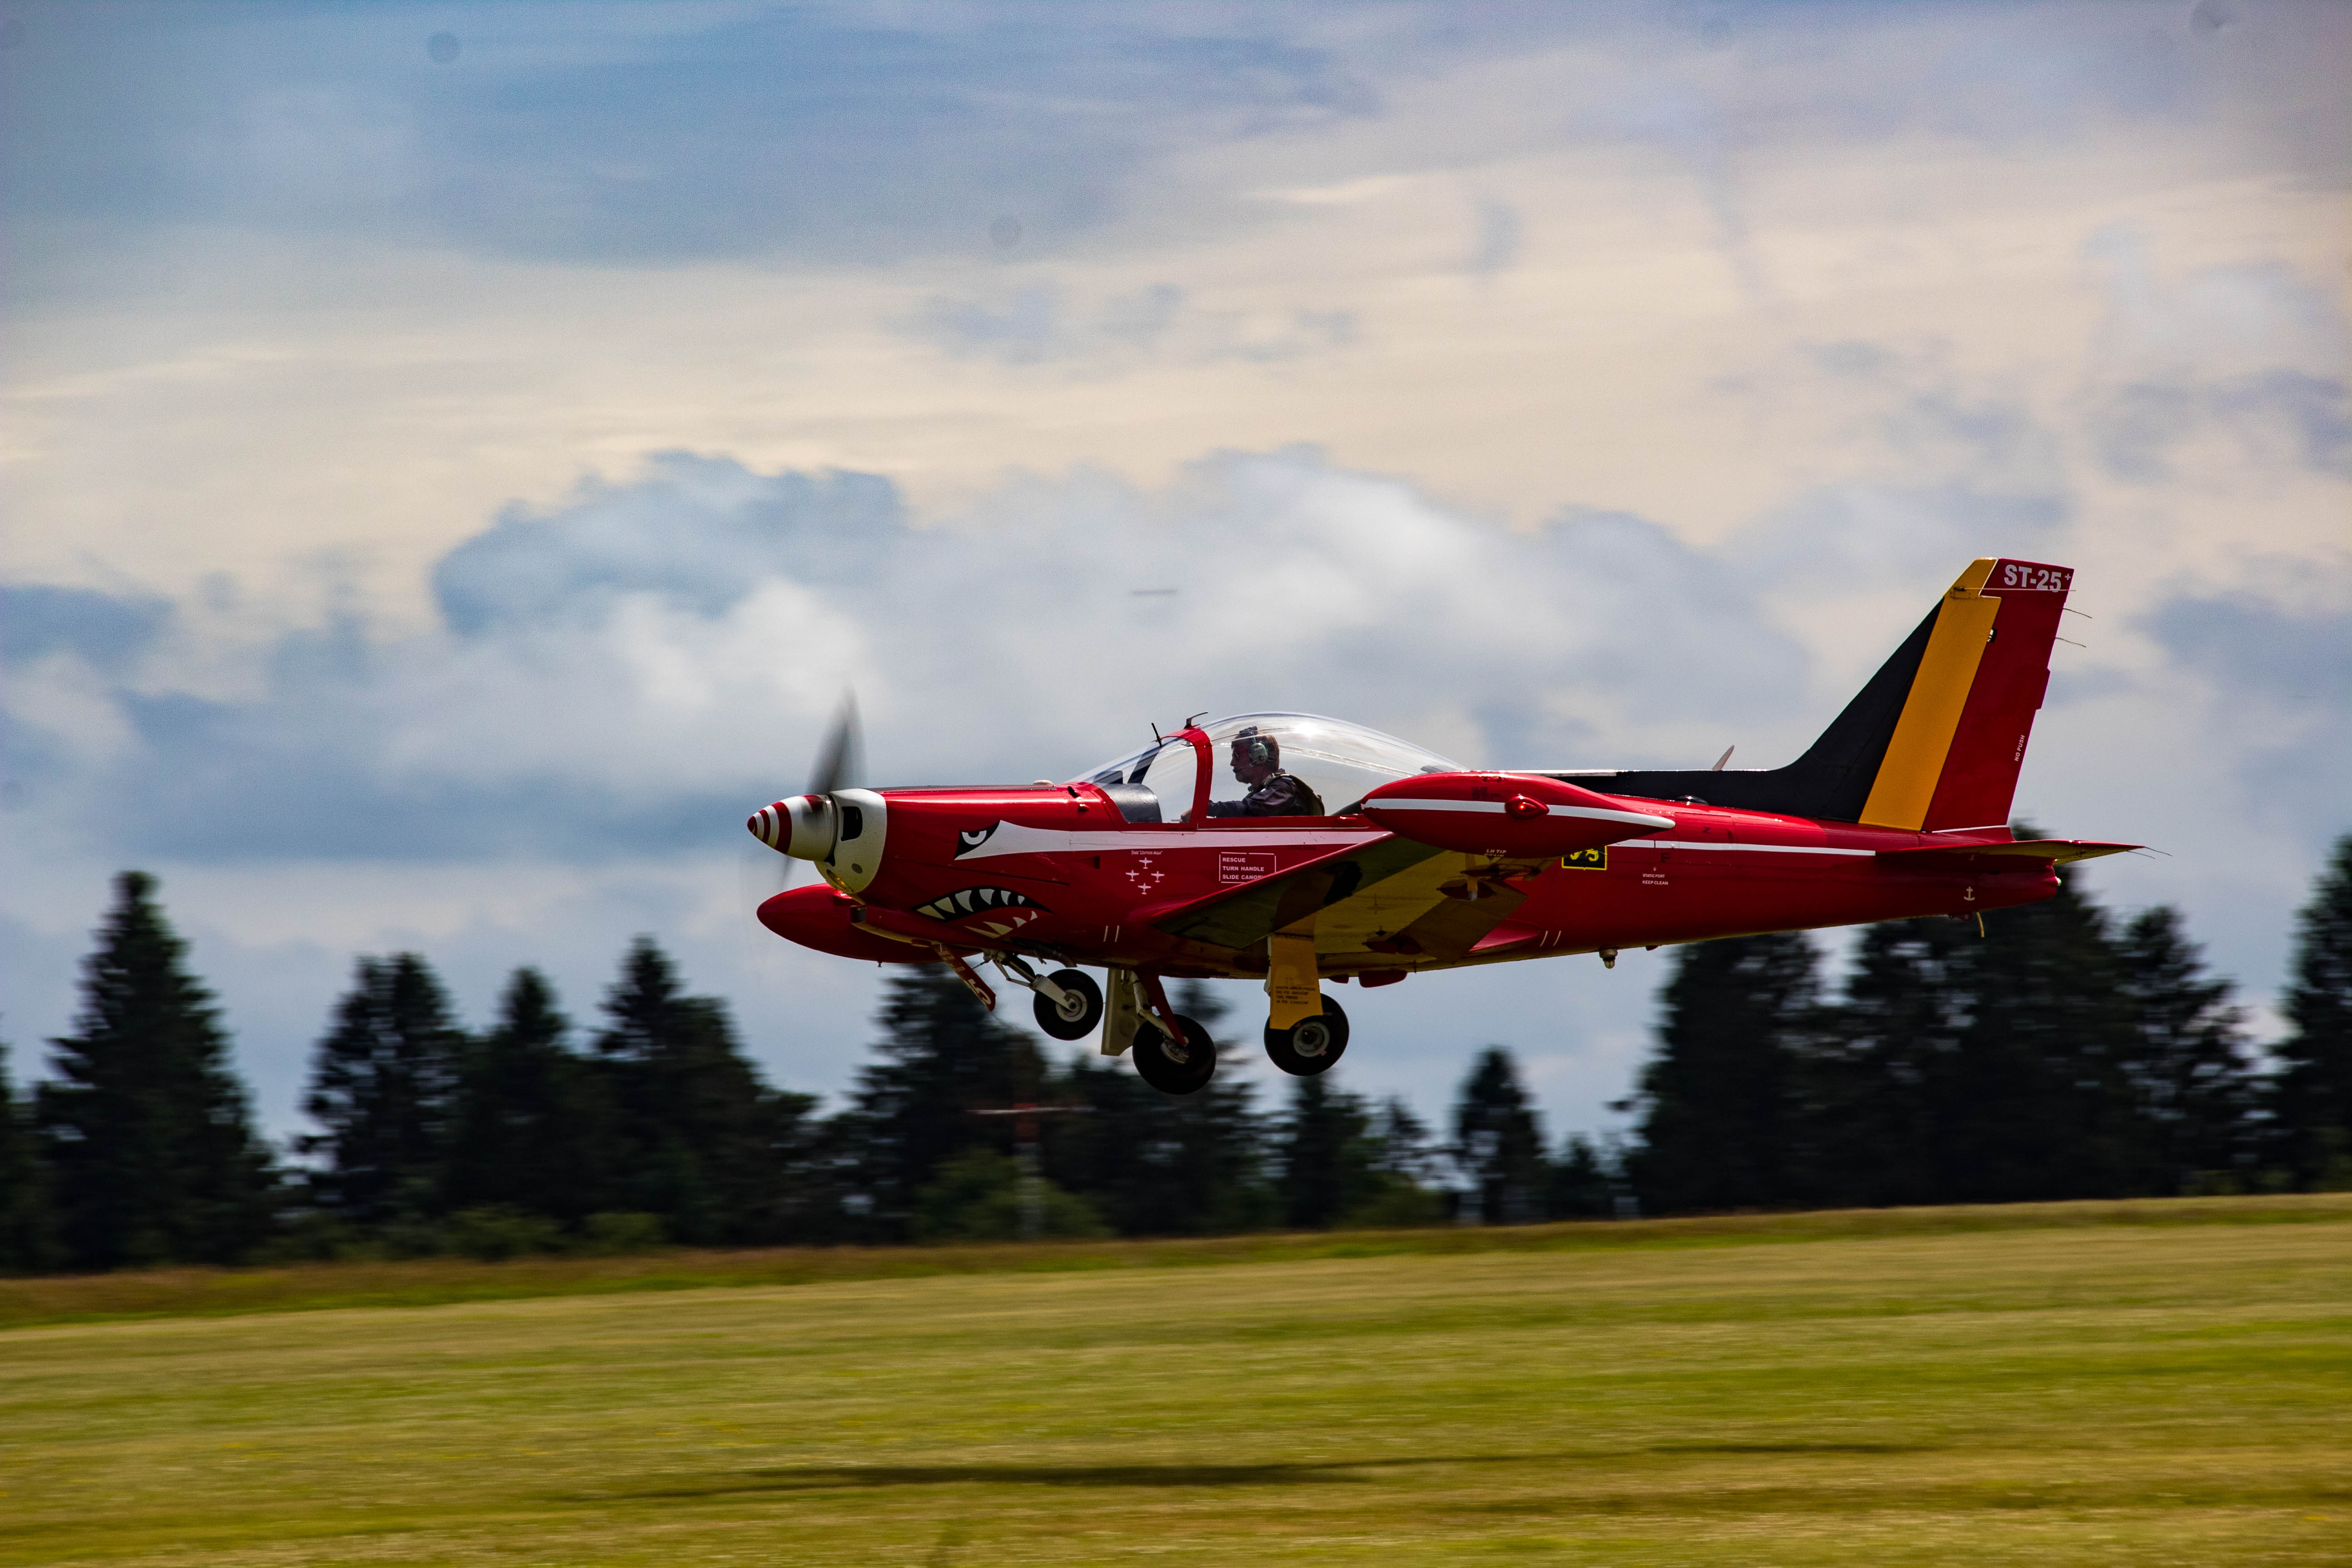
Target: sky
[(455, 459)]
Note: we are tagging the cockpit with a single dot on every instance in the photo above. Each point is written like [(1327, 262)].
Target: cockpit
[(1330, 764)]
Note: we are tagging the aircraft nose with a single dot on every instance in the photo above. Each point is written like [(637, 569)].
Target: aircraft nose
[(802, 826)]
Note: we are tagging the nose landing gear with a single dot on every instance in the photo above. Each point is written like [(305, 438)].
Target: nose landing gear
[(1310, 1046), (1068, 1003), (1074, 1014)]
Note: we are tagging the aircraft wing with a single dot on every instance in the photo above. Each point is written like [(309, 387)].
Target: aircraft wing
[(1990, 857), (1242, 916)]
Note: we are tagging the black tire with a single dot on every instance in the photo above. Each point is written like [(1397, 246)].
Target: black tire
[(1310, 1046), (1064, 1026), (1171, 1068)]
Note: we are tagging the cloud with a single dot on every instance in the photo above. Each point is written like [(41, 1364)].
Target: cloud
[(1499, 232), (101, 629), (2273, 417), (2249, 352), (632, 670), (1040, 324), (2272, 678), (566, 757), (881, 134), (2257, 647), (2221, 321), (701, 532), (1037, 324), (591, 135)]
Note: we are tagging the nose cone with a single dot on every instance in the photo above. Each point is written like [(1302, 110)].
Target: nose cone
[(803, 826)]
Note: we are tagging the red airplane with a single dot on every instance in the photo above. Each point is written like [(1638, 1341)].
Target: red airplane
[(1325, 851)]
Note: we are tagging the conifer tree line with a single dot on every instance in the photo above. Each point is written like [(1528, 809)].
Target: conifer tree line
[(2062, 1053)]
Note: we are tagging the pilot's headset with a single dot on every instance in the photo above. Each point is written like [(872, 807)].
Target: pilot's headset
[(1261, 750)]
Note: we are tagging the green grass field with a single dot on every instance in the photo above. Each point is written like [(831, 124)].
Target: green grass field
[(2074, 1384)]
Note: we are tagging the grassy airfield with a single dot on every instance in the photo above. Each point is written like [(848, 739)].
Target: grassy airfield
[(2111, 1383)]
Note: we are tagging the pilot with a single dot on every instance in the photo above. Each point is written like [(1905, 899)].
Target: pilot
[(1257, 762)]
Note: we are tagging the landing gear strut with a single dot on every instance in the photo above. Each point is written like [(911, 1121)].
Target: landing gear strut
[(1311, 1044)]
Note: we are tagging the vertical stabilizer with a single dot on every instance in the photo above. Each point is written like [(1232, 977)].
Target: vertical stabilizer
[(1933, 741), (1954, 756)]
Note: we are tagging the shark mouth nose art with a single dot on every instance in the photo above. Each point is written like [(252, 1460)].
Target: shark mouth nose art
[(1012, 910)]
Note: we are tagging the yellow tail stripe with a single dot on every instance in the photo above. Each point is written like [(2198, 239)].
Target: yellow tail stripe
[(1914, 763)]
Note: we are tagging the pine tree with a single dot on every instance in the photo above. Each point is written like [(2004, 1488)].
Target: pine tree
[(1499, 1144), (525, 1130), (942, 1058), (697, 1139), (1720, 1101), (383, 1085), (1582, 1187), (2041, 1104), (2311, 1097), (145, 1131), (2186, 1062), (1877, 1097), (27, 1243), (1400, 1145), (1158, 1164), (1326, 1155)]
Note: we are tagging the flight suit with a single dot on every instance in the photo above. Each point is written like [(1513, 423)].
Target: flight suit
[(1280, 794)]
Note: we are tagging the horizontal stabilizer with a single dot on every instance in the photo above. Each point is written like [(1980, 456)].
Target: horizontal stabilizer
[(2000, 856)]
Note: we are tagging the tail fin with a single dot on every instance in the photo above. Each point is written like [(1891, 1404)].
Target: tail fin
[(1936, 737), (1968, 709)]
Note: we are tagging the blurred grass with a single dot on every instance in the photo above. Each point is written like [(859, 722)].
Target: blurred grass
[(440, 1281), (2073, 1384)]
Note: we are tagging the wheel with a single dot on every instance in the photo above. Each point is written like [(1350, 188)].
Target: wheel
[(1075, 1019), (1311, 1044), (1172, 1068)]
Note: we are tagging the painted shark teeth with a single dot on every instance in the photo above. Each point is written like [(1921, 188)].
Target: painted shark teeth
[(977, 901)]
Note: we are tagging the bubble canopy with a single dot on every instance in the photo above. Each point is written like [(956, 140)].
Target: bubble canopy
[(1339, 761)]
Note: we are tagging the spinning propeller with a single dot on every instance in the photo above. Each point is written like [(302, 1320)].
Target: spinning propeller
[(804, 827), (837, 764)]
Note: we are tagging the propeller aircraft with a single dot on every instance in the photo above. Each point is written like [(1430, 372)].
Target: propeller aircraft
[(1300, 849)]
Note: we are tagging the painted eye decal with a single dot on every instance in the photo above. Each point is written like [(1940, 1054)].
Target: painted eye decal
[(971, 838), (980, 901)]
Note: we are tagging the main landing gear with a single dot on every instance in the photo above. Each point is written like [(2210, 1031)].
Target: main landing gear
[(1311, 1044), (1171, 1065)]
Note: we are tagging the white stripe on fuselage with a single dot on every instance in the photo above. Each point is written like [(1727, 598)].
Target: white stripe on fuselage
[(1712, 844), (1596, 814), (1011, 838)]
